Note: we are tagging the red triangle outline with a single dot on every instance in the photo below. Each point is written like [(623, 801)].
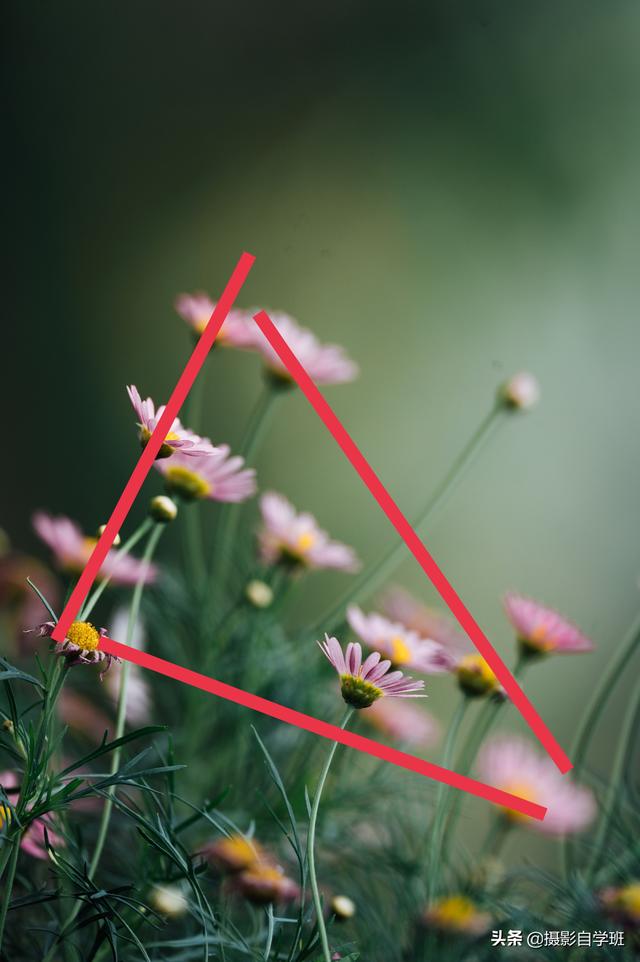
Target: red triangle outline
[(393, 513)]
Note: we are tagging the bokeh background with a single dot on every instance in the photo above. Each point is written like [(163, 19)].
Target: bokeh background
[(450, 190)]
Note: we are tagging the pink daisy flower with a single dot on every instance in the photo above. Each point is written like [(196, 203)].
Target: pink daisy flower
[(80, 647), (542, 630), (72, 549), (217, 477), (296, 539), (178, 437), (474, 675), (404, 722), (324, 363), (512, 764), (33, 840), (196, 309), (399, 643), (362, 683)]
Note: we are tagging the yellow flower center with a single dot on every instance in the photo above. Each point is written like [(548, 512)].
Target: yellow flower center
[(186, 484), (400, 652), (166, 450), (84, 635), (238, 851), (538, 640), (305, 541), (357, 692), (5, 816), (522, 790), (453, 912), (475, 676)]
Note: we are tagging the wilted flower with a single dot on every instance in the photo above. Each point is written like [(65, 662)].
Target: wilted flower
[(542, 630), (404, 722), (457, 914), (217, 477), (196, 309), (235, 853), (296, 539), (401, 645), (168, 900), (362, 683), (521, 391), (623, 902), (324, 363), (72, 549), (177, 438), (33, 840), (265, 882), (512, 764), (81, 644)]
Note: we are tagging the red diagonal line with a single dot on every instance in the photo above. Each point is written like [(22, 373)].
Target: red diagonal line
[(412, 541), (318, 727), (146, 459)]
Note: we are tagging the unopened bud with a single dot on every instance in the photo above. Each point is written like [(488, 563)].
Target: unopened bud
[(7, 726), (116, 540), (162, 509), (259, 594), (521, 392), (343, 907), (169, 900)]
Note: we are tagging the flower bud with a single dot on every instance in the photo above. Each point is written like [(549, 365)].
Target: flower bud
[(116, 540), (169, 900), (258, 593), (162, 509), (343, 907), (521, 392)]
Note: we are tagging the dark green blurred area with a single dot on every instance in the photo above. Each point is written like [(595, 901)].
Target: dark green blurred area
[(449, 190)]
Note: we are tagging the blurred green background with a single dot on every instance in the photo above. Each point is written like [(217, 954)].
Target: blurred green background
[(450, 190)]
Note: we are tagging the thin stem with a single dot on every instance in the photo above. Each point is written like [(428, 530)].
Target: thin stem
[(495, 838), (612, 795), (121, 716), (8, 885), (594, 710), (371, 578), (230, 513), (137, 536), (441, 801), (317, 901)]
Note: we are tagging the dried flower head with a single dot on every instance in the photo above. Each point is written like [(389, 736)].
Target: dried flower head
[(362, 683), (80, 646), (457, 914)]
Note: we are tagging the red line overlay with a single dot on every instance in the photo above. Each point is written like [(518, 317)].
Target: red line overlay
[(318, 727), (148, 456), (412, 541)]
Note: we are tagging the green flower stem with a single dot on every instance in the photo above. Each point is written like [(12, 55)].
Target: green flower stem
[(229, 517), (620, 763), (121, 716), (436, 836), (8, 885), (487, 718), (371, 578), (317, 901), (137, 536), (594, 710)]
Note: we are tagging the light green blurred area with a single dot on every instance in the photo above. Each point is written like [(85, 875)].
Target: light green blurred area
[(452, 196)]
